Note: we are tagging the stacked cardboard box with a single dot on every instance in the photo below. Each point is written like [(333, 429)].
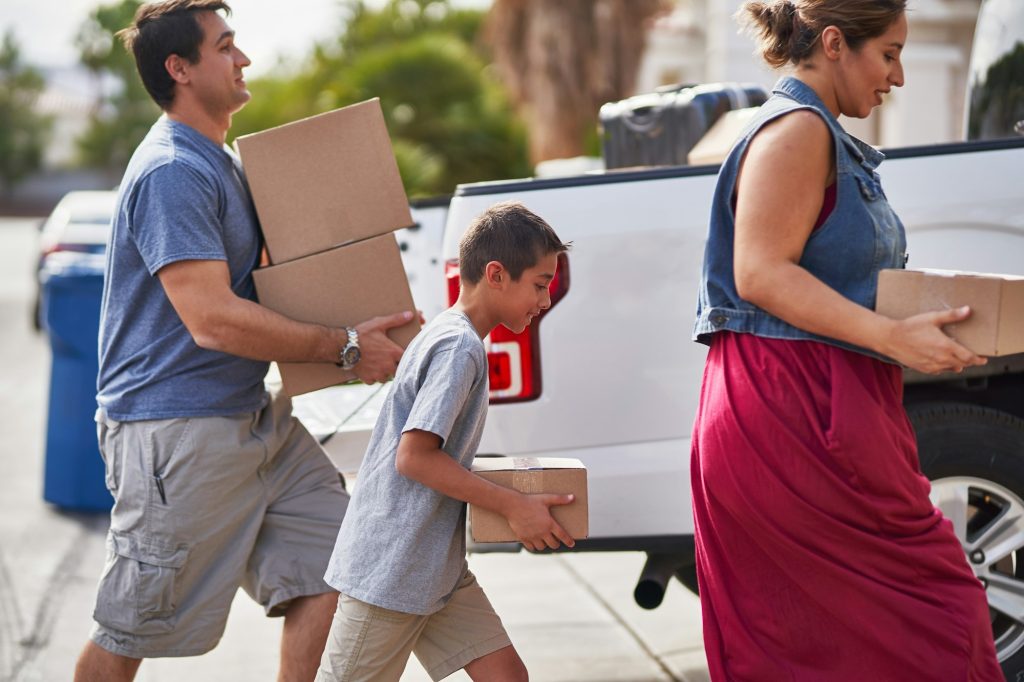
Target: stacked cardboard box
[(996, 324), (532, 475), (329, 197)]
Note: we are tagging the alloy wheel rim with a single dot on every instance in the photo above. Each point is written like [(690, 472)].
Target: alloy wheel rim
[(989, 522)]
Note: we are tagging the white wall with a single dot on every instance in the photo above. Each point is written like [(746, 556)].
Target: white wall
[(700, 42)]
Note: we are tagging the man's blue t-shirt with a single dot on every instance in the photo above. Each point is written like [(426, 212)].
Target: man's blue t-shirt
[(183, 197)]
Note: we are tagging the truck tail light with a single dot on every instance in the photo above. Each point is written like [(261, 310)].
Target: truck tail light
[(513, 360)]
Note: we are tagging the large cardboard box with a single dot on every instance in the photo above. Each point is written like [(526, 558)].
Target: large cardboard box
[(996, 324), (324, 181), (341, 287), (532, 475)]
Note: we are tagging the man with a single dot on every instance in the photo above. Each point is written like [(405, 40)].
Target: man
[(216, 486)]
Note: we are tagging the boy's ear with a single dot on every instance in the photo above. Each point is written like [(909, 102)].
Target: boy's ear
[(495, 274)]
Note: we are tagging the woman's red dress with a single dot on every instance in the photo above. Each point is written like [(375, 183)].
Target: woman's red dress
[(819, 555)]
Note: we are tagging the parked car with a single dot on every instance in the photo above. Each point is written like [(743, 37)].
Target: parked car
[(79, 222)]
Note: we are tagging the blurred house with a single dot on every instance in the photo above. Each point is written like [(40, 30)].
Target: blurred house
[(700, 42)]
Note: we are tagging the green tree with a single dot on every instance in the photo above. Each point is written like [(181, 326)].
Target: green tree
[(23, 131), (449, 118), (120, 120)]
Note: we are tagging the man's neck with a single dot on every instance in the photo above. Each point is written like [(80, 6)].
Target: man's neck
[(210, 127)]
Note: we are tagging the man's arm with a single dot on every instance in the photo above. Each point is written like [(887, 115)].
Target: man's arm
[(420, 458), (217, 319)]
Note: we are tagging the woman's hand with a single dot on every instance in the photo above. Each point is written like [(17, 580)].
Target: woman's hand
[(919, 343)]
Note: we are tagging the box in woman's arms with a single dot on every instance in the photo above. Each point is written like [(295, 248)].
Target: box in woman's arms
[(996, 324), (558, 475)]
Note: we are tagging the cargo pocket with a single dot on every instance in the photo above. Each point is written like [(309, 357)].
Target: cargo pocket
[(109, 445), (137, 593)]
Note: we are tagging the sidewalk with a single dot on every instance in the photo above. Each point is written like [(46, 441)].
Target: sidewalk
[(572, 617)]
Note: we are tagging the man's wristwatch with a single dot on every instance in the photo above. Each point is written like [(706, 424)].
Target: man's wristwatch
[(350, 354)]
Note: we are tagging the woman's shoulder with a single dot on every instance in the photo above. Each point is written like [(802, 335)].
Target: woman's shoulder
[(803, 128), (799, 141)]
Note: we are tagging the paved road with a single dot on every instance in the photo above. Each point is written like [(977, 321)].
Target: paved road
[(571, 616)]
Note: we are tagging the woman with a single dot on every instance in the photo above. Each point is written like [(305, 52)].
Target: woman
[(820, 556)]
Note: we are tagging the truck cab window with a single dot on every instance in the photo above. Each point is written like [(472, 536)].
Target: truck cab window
[(995, 89)]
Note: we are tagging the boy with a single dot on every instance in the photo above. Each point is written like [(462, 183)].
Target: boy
[(400, 558)]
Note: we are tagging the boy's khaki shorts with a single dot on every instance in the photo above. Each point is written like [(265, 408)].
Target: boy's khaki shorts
[(203, 506), (371, 644)]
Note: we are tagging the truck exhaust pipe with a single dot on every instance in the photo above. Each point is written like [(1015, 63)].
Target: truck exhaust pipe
[(658, 570)]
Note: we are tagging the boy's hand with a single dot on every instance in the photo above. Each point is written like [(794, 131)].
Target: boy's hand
[(530, 519)]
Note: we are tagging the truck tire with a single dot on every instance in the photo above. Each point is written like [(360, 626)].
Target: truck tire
[(974, 457)]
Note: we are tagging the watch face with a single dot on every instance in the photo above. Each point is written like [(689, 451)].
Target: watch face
[(350, 356)]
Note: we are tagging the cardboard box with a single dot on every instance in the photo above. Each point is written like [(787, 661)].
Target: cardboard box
[(324, 181), (532, 475), (719, 139), (996, 324), (338, 288)]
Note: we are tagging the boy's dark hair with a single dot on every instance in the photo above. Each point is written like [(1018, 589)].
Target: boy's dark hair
[(161, 29), (508, 233)]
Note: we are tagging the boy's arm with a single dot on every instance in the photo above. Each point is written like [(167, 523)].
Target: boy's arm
[(421, 459)]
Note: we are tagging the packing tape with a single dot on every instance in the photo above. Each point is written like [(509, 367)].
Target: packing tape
[(522, 479)]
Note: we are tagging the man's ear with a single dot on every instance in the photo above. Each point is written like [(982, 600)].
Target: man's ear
[(495, 274), (177, 68), (832, 42)]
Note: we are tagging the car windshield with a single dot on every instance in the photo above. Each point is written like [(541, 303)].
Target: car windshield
[(995, 99)]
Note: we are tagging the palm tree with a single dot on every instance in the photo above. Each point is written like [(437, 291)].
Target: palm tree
[(562, 59)]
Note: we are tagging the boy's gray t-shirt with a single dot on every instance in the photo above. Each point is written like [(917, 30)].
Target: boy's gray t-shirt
[(402, 545)]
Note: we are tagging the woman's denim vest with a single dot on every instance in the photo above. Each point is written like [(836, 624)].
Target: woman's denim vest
[(861, 236)]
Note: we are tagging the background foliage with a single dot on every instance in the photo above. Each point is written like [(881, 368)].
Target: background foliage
[(449, 117), (23, 131), (118, 123)]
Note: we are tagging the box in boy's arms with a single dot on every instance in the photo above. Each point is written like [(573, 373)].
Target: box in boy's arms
[(996, 324), (338, 288), (562, 476), (324, 181)]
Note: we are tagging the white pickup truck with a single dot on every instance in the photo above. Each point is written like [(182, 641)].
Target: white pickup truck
[(609, 374)]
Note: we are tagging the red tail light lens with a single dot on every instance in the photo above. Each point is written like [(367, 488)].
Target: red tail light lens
[(514, 359)]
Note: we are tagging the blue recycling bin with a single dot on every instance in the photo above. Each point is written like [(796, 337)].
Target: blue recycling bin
[(72, 288)]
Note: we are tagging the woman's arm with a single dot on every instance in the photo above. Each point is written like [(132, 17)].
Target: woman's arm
[(779, 196)]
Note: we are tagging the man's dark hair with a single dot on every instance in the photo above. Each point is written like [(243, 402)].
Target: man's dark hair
[(508, 233), (161, 29)]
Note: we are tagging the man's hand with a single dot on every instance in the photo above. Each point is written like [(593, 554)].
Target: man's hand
[(530, 519), (379, 355)]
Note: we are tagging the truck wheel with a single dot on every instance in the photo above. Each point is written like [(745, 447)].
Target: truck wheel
[(974, 457)]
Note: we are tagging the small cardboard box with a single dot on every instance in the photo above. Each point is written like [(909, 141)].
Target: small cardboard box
[(324, 181), (996, 324), (532, 475), (717, 142), (341, 287)]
